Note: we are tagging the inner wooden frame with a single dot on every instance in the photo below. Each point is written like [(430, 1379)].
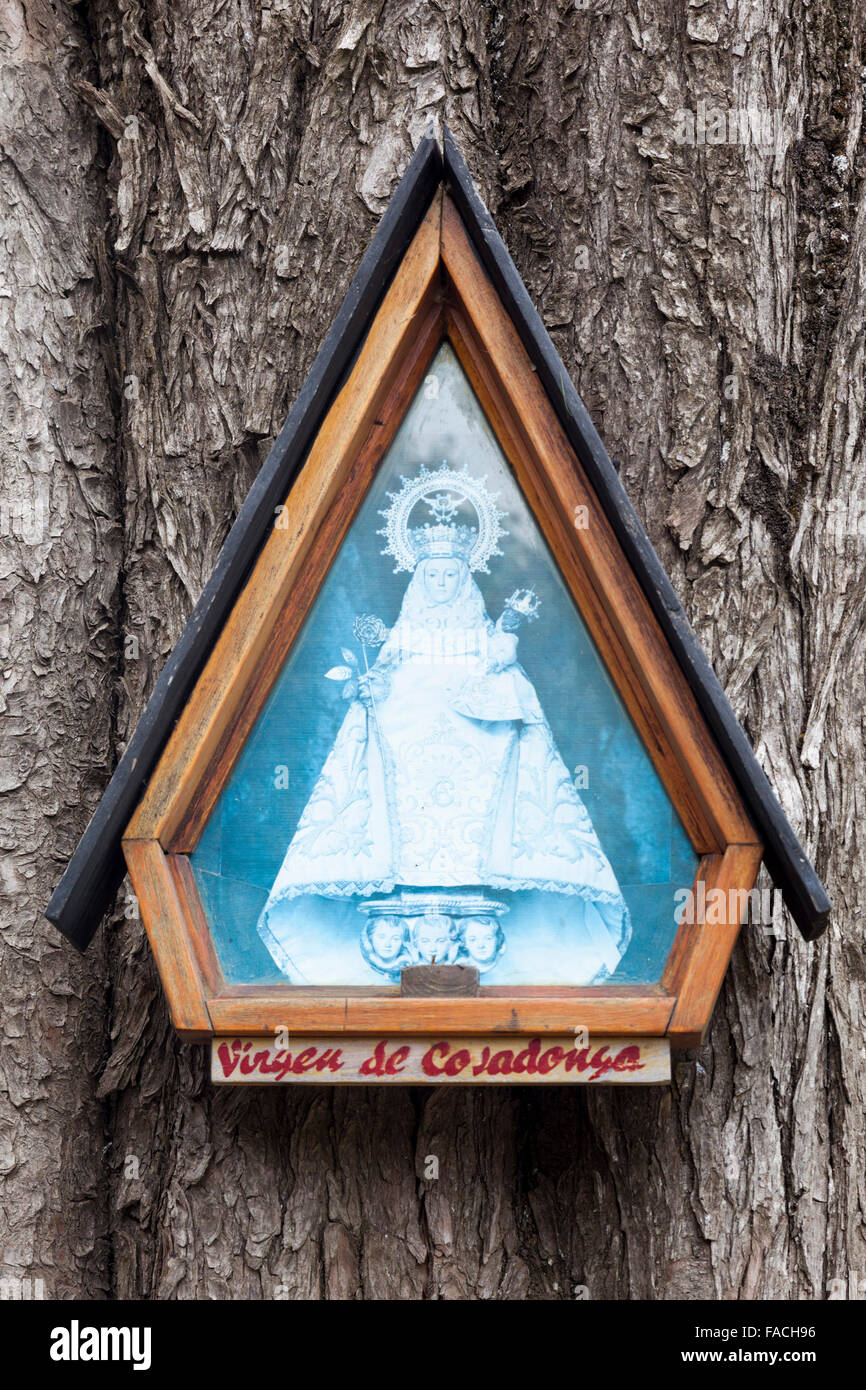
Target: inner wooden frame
[(440, 291)]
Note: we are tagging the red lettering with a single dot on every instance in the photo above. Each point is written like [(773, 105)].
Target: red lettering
[(527, 1059), (501, 1063), (577, 1059), (428, 1061), (550, 1059), (397, 1061), (628, 1059), (455, 1065), (249, 1064), (304, 1060), (282, 1064), (330, 1060), (266, 1067), (600, 1063), (482, 1065), (375, 1065), (227, 1061)]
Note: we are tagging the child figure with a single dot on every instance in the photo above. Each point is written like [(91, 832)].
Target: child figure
[(483, 941)]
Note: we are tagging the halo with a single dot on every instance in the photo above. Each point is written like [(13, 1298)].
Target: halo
[(442, 479)]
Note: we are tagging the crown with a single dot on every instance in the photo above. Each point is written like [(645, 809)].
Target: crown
[(442, 490), (445, 537), (438, 542)]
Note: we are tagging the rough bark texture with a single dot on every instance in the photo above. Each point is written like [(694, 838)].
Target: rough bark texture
[(60, 543), (165, 304)]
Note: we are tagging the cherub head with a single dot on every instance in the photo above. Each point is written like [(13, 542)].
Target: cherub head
[(386, 937), (483, 940), (383, 944), (434, 938)]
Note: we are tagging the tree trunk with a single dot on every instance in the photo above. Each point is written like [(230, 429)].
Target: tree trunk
[(709, 299), (60, 552)]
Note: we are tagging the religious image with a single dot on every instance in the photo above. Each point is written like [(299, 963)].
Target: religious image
[(444, 785), (443, 771)]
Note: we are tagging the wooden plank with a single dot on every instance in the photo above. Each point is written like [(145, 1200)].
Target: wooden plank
[(242, 642), (703, 949), (559, 488), (677, 961), (648, 1013), (408, 1061), (196, 924), (600, 1011), (156, 890)]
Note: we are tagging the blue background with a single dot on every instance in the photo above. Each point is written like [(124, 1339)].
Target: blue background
[(246, 837)]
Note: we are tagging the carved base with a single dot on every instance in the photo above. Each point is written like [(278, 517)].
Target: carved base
[(432, 928), (432, 981)]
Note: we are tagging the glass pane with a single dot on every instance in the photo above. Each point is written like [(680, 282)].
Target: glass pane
[(443, 770)]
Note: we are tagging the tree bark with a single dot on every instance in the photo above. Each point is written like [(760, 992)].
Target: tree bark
[(60, 550), (709, 299)]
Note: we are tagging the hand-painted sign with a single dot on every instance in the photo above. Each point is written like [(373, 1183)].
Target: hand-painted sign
[(421, 1061)]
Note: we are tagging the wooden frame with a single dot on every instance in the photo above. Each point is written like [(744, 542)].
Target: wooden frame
[(440, 290)]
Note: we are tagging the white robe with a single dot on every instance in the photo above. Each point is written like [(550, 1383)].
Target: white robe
[(450, 778)]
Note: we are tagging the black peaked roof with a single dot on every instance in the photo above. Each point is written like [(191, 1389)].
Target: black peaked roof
[(96, 868)]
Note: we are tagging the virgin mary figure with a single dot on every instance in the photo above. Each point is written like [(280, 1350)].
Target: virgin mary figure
[(444, 789)]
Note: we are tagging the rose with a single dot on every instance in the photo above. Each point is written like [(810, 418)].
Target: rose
[(370, 630)]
